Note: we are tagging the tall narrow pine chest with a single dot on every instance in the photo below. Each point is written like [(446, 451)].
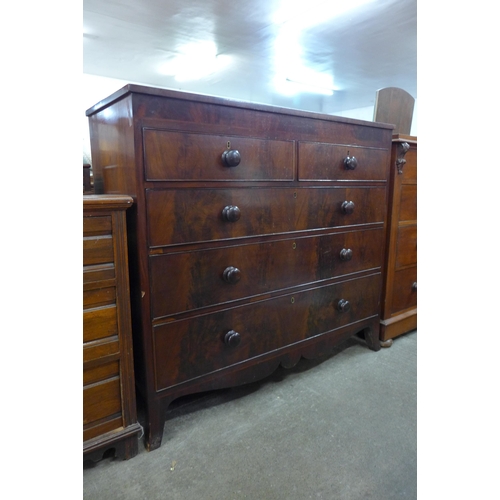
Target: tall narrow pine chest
[(399, 302), (109, 399), (256, 236)]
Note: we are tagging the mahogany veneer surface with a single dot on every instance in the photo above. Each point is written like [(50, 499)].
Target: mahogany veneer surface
[(256, 237)]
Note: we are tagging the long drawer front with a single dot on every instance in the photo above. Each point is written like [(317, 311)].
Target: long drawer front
[(177, 216), (189, 348), (180, 280)]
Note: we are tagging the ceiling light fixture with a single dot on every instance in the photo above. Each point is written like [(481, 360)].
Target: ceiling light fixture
[(304, 15), (312, 87), (292, 69), (195, 61)]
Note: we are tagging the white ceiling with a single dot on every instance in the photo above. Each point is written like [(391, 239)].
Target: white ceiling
[(259, 44)]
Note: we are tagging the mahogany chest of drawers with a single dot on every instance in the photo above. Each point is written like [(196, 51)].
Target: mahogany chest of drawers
[(256, 237), (399, 306), (109, 403)]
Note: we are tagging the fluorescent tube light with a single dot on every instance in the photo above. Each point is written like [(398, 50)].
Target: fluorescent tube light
[(308, 86), (195, 61)]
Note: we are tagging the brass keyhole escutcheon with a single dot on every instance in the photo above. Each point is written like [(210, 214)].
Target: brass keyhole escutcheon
[(294, 245), (228, 144), (295, 194), (292, 300)]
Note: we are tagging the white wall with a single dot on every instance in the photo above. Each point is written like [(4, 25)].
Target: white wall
[(367, 114)]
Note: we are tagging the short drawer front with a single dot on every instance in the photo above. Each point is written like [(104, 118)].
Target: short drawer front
[(97, 350), (99, 322), (410, 167), (187, 156), (194, 215), (320, 161), (180, 280), (194, 347), (406, 247), (99, 272), (404, 293), (408, 202), (99, 297), (98, 429), (98, 225), (97, 250), (101, 372), (101, 400)]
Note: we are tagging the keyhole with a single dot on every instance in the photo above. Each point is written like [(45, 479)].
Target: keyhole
[(228, 144)]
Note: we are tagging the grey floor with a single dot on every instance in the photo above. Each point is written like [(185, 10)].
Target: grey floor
[(339, 428)]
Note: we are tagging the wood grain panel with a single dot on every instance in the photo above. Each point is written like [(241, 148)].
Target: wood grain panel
[(320, 161), (404, 295), (184, 156), (410, 168), (190, 348), (99, 322), (101, 400), (182, 216), (97, 250), (97, 225), (179, 281), (99, 297), (408, 202), (95, 350), (101, 372), (98, 272), (406, 248), (97, 429)]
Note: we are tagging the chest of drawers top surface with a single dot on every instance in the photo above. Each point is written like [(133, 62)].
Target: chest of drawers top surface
[(183, 137), (182, 107)]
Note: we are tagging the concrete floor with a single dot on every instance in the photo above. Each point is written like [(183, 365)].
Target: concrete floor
[(339, 428)]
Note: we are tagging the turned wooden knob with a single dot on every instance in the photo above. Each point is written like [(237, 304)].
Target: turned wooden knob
[(231, 275), (231, 213), (231, 158), (350, 162), (343, 306), (346, 254), (232, 338), (348, 207)]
